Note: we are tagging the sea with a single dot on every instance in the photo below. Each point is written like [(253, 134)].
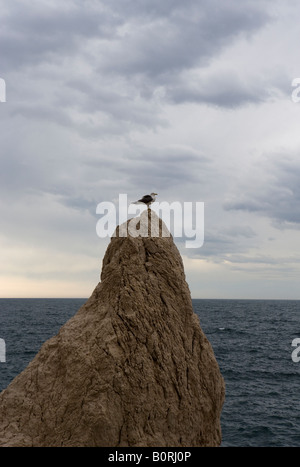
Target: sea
[(252, 341)]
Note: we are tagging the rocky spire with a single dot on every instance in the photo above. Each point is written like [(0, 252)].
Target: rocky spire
[(131, 368)]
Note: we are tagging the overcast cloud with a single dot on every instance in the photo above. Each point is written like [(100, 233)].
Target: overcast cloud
[(189, 99)]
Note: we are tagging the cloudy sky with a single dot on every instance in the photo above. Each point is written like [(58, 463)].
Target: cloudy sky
[(191, 99)]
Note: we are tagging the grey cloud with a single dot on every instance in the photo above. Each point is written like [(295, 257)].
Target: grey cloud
[(222, 88), (149, 8), (264, 259), (176, 173), (47, 113), (217, 247), (160, 51), (171, 155), (275, 193), (116, 93), (91, 90), (171, 168), (35, 33), (189, 36), (79, 203), (239, 231), (79, 178), (119, 104)]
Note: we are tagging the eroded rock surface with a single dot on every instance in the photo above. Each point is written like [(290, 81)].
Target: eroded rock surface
[(131, 368)]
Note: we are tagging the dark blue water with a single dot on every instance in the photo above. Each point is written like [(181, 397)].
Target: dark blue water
[(252, 343)]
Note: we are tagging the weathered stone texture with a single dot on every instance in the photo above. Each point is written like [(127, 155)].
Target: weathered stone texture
[(131, 368)]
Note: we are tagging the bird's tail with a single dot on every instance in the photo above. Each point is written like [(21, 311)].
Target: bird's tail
[(137, 202)]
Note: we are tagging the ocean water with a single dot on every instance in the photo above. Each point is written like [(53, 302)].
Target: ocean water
[(252, 343)]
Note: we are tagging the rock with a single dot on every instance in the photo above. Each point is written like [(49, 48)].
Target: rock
[(131, 368)]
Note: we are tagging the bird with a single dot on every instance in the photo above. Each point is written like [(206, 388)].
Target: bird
[(146, 199)]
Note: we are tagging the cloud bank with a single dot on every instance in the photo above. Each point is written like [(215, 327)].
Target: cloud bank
[(189, 99)]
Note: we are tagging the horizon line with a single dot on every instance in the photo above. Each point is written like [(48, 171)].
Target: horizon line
[(193, 298)]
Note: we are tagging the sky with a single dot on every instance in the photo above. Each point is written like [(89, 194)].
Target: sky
[(192, 100)]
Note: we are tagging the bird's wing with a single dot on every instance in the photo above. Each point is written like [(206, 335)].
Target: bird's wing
[(146, 199)]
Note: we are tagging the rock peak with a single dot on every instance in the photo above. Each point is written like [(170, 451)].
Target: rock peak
[(131, 368)]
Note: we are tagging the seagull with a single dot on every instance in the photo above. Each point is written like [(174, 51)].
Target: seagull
[(147, 199)]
